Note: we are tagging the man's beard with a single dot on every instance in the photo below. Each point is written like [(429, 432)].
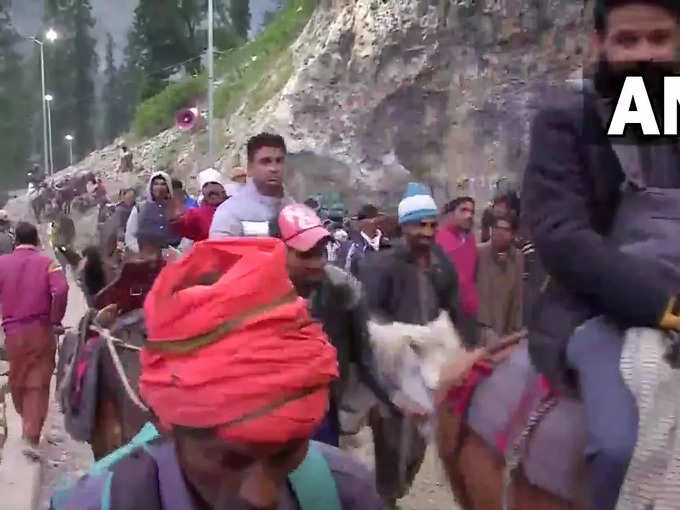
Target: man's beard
[(609, 79)]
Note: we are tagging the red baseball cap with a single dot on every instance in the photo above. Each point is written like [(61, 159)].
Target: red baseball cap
[(301, 229)]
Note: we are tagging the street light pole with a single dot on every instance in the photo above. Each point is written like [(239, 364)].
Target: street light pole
[(48, 100), (211, 79), (44, 104), (50, 35), (69, 141)]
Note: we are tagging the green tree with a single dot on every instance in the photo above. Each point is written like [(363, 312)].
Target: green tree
[(16, 107), (164, 40), (239, 10), (71, 63), (114, 119)]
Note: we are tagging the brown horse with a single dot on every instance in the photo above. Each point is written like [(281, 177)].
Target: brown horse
[(475, 470), (118, 418), (116, 314)]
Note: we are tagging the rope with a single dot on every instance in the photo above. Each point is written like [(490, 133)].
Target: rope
[(111, 342), (514, 459)]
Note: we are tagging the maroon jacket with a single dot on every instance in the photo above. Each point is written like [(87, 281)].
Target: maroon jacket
[(195, 223), (33, 288)]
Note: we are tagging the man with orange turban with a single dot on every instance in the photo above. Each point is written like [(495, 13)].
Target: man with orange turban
[(237, 375)]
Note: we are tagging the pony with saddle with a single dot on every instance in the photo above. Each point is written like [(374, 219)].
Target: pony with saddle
[(99, 364), (509, 439)]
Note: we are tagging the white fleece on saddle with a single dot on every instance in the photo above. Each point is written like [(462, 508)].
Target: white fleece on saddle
[(653, 477)]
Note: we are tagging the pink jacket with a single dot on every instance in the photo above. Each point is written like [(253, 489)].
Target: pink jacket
[(33, 288), (462, 251)]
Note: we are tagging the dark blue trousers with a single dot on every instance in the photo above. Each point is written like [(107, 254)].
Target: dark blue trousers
[(329, 430), (594, 352)]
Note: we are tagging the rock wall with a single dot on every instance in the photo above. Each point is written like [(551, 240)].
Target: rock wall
[(443, 90)]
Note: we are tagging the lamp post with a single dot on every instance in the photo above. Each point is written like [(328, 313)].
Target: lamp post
[(48, 100), (211, 79), (50, 36), (69, 141)]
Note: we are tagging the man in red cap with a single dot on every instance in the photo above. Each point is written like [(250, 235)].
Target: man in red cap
[(237, 376), (334, 298)]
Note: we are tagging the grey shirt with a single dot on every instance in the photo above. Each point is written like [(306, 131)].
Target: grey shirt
[(236, 216)]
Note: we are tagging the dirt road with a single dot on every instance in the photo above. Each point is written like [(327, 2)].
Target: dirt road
[(430, 490)]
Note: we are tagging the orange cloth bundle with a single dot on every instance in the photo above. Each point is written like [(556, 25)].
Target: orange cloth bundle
[(231, 346)]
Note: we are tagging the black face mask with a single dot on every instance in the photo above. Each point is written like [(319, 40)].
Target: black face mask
[(609, 80)]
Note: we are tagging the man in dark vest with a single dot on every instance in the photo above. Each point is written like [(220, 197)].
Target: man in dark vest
[(586, 199), (151, 219)]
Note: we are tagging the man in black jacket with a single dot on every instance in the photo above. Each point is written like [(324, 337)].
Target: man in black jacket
[(336, 301), (411, 283), (572, 193)]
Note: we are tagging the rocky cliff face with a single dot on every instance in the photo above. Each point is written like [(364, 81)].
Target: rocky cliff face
[(442, 90)]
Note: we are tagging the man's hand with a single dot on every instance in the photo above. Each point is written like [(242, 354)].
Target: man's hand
[(176, 208), (671, 317)]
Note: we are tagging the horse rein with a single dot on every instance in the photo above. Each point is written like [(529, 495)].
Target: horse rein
[(111, 343)]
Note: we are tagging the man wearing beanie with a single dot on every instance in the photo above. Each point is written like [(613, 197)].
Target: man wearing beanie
[(602, 212), (237, 375), (411, 283)]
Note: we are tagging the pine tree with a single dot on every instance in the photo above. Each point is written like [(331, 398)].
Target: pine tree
[(16, 106), (71, 63), (113, 116), (165, 39), (86, 67), (239, 11)]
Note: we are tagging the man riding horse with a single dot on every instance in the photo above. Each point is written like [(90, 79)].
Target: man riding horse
[(588, 201)]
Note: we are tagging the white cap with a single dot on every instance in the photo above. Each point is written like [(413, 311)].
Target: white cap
[(209, 175), (3, 215)]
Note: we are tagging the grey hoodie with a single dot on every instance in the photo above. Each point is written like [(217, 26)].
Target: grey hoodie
[(132, 228)]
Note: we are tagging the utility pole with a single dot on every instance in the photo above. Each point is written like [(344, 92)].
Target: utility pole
[(44, 107), (48, 99), (211, 80)]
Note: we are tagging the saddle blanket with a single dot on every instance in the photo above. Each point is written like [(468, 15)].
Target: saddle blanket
[(554, 460)]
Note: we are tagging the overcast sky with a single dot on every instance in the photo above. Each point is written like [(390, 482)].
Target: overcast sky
[(114, 16)]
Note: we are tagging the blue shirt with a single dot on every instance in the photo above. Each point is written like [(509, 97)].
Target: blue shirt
[(190, 203)]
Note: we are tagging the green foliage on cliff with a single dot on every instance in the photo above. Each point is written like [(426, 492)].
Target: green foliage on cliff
[(241, 74), (244, 69), (158, 112)]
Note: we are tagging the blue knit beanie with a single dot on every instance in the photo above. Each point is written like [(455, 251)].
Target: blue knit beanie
[(417, 204)]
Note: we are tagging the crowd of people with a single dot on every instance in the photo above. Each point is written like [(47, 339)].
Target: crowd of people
[(347, 269), (258, 326)]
